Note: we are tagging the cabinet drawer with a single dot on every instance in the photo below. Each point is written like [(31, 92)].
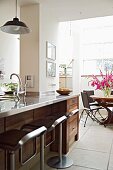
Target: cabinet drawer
[(72, 101), (72, 128), (73, 118), (73, 125), (72, 104)]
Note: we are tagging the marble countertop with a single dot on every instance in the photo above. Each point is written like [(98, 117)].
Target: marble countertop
[(10, 107)]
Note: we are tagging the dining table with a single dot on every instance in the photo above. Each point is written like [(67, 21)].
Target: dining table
[(107, 103)]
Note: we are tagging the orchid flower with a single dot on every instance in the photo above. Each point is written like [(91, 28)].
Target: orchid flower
[(104, 82)]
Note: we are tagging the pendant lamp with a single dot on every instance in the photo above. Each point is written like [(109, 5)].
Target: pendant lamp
[(15, 26)]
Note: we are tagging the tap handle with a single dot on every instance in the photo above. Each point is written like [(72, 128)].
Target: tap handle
[(25, 88)]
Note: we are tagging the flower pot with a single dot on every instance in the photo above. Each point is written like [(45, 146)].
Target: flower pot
[(107, 92)]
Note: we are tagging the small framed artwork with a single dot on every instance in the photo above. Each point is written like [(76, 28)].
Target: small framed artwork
[(50, 51), (50, 69)]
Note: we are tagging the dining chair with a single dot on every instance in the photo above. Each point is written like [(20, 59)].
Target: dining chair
[(91, 100), (112, 92), (90, 110)]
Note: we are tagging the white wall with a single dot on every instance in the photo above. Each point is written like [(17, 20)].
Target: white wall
[(48, 32), (29, 45), (31, 50), (76, 63), (53, 11), (9, 44)]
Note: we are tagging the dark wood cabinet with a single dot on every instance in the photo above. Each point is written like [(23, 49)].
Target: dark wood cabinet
[(70, 126), (2, 153), (73, 129)]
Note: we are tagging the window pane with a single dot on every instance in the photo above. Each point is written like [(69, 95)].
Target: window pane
[(94, 66)]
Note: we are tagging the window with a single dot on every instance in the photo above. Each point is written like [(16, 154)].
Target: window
[(97, 46)]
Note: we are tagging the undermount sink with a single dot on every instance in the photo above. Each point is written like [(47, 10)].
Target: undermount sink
[(6, 97)]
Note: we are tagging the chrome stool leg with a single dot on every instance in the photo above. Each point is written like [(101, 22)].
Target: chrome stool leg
[(42, 152), (60, 161), (12, 161)]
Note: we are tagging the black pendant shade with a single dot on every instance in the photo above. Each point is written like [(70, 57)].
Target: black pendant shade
[(15, 27)]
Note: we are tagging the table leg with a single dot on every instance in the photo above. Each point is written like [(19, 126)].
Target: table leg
[(109, 118)]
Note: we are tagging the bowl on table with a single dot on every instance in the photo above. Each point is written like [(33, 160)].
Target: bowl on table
[(63, 91)]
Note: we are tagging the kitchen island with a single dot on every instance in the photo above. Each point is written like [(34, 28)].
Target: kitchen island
[(16, 114)]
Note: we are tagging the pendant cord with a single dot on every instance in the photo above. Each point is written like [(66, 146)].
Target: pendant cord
[(16, 8)]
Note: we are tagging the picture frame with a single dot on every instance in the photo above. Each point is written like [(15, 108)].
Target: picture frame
[(50, 69), (50, 51)]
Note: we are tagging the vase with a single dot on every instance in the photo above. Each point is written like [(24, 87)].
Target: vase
[(107, 92)]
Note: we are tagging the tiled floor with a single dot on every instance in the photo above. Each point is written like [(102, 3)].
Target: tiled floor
[(93, 150)]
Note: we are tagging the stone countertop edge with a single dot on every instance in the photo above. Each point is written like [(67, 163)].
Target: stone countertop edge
[(10, 107)]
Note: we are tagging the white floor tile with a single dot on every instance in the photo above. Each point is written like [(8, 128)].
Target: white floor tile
[(110, 167), (90, 159), (78, 168)]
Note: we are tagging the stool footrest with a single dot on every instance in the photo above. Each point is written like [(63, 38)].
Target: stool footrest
[(55, 162)]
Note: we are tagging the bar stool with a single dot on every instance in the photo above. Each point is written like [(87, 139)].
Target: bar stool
[(61, 161), (73, 112), (14, 139), (47, 122), (50, 123)]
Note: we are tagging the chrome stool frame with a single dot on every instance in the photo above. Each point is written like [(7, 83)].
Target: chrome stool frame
[(25, 137), (60, 161)]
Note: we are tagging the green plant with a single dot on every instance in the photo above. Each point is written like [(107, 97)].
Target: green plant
[(10, 86)]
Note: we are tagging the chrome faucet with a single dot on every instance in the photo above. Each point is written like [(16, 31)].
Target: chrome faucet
[(20, 81), (22, 89)]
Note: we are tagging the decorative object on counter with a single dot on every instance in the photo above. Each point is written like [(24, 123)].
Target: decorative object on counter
[(10, 88), (64, 91), (104, 82), (15, 26), (50, 51)]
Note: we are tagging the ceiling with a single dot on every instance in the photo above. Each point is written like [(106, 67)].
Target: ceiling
[(25, 2), (66, 10)]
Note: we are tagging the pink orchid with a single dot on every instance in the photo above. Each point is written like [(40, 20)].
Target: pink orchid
[(103, 82)]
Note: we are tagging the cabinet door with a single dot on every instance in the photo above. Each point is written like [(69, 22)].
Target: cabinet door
[(73, 128), (72, 104), (73, 121)]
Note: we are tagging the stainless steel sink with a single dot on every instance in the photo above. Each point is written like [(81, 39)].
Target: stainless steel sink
[(6, 97)]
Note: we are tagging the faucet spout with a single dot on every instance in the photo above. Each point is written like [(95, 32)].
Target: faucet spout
[(20, 81), (22, 89)]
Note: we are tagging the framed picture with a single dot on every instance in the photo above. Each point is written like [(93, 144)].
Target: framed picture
[(50, 69), (50, 51)]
